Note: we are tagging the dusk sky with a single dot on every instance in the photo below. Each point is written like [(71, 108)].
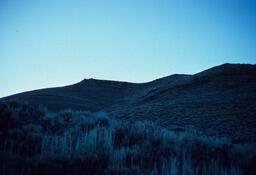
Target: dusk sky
[(48, 43)]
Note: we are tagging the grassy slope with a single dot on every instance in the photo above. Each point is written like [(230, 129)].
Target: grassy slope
[(219, 101)]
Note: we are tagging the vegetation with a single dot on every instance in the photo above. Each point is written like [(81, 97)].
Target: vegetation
[(35, 141)]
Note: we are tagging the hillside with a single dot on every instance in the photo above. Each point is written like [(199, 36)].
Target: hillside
[(220, 100)]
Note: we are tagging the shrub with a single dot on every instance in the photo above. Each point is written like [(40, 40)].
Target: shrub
[(16, 134), (32, 128), (74, 142)]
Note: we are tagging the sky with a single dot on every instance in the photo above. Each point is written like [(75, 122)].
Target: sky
[(49, 43)]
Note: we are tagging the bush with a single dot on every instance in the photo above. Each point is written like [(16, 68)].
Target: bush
[(74, 142), (16, 134)]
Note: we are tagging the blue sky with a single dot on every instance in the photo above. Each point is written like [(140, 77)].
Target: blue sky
[(52, 43)]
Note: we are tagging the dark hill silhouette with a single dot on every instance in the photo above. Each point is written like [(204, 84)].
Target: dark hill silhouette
[(212, 101)]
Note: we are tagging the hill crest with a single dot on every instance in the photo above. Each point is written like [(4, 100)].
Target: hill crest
[(215, 99)]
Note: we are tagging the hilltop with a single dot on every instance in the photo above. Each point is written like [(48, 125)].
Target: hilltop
[(220, 100)]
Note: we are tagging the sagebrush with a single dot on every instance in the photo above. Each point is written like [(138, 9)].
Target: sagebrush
[(35, 141)]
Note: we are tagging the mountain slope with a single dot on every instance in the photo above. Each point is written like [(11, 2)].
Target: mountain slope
[(220, 100)]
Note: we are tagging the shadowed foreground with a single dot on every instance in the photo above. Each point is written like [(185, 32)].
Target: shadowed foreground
[(35, 141)]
